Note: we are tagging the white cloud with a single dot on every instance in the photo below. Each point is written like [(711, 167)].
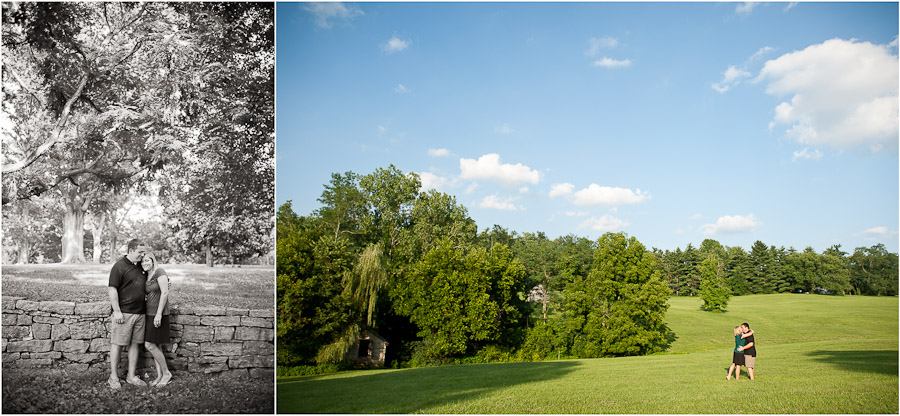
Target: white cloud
[(731, 224), (807, 154), (523, 190), (432, 181), (604, 224), (401, 89), (325, 12), (382, 129), (612, 63), (695, 217), (489, 167), (471, 188), (879, 232), (503, 129), (762, 51), (577, 214), (395, 44), (731, 77), (790, 5), (608, 196), (746, 8), (599, 43), (560, 189), (439, 152), (844, 94), (495, 202)]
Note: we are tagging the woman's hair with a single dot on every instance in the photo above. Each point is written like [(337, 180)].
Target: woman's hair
[(152, 271), (736, 329)]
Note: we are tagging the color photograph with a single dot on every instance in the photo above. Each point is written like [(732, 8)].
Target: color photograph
[(562, 208)]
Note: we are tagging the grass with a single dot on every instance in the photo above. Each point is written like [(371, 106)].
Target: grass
[(816, 354), (61, 391), (247, 287)]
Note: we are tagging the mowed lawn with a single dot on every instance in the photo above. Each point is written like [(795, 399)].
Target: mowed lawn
[(249, 287), (816, 354)]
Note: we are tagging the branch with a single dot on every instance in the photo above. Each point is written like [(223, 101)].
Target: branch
[(15, 75), (56, 136)]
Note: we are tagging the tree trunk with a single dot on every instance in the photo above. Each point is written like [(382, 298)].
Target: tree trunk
[(209, 256), (73, 234), (97, 228), (24, 251)]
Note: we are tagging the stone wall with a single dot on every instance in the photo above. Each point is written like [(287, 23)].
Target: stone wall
[(234, 342)]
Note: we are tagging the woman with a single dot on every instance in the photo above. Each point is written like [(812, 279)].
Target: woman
[(157, 325), (737, 359)]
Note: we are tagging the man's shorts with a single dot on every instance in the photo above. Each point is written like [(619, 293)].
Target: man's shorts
[(750, 361), (129, 332)]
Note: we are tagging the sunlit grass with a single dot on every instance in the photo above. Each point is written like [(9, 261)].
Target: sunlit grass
[(817, 354)]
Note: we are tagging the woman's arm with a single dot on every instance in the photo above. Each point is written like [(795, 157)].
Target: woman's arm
[(747, 334), (164, 297)]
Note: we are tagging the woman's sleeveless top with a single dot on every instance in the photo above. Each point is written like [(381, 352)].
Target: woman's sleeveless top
[(154, 293)]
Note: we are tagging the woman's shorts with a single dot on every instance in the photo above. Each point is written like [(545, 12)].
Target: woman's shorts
[(738, 358), (159, 335)]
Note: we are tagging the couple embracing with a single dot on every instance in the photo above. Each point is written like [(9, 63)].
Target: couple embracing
[(139, 295), (744, 351)]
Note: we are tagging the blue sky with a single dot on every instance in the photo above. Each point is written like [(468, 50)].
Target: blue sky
[(672, 122)]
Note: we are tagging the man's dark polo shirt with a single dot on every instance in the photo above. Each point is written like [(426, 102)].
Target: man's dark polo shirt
[(752, 350), (128, 278)]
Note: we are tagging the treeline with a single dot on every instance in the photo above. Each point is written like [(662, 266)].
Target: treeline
[(414, 267), (767, 269)]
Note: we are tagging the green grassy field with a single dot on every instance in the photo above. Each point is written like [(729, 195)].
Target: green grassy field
[(816, 354), (251, 287)]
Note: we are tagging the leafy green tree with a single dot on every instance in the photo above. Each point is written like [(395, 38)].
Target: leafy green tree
[(540, 256), (313, 308), (461, 300), (619, 308), (873, 271), (761, 262), (390, 196), (737, 271), (713, 290)]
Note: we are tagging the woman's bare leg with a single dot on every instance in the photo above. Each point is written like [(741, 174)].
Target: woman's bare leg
[(162, 369)]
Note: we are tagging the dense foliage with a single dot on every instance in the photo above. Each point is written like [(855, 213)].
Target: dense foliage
[(107, 104), (412, 266), (767, 269)]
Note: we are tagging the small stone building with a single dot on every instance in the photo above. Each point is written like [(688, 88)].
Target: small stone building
[(371, 349)]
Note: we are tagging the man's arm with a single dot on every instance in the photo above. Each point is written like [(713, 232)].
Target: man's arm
[(747, 334), (114, 302), (745, 347)]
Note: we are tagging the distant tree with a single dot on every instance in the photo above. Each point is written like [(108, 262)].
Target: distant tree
[(540, 256), (738, 270), (713, 290), (873, 271), (761, 262)]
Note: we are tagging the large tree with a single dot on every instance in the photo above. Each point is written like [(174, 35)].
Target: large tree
[(619, 307), (219, 195), (89, 97)]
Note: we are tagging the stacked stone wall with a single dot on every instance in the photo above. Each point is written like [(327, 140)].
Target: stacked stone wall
[(229, 341)]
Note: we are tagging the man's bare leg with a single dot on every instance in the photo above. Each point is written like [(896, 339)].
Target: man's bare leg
[(114, 353), (132, 365)]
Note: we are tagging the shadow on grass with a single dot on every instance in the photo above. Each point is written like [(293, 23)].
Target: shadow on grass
[(411, 390), (877, 362)]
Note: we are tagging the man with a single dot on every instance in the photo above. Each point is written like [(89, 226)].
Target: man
[(749, 349), (126, 295)]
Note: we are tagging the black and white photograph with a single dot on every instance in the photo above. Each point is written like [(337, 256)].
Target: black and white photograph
[(138, 186)]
